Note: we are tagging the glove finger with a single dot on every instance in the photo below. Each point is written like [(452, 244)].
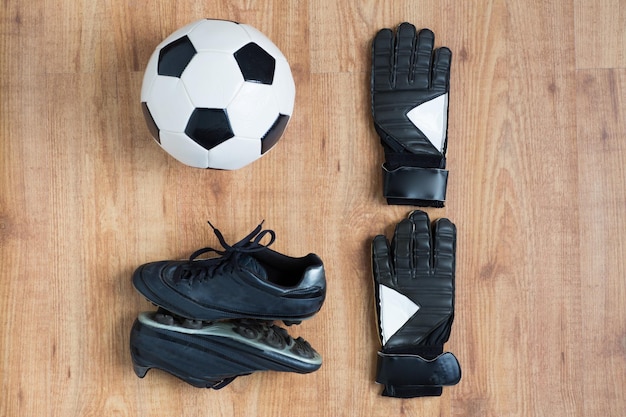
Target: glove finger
[(423, 58), (381, 261), (444, 247), (421, 241), (402, 248), (405, 48), (441, 69), (382, 61)]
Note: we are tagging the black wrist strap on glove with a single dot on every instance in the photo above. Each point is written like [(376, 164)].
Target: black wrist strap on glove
[(411, 391), (415, 374), (399, 186)]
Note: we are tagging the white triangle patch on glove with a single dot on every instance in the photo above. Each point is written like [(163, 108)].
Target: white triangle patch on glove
[(395, 310), (431, 118)]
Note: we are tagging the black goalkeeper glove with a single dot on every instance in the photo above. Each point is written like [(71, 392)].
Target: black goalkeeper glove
[(414, 282), (409, 85)]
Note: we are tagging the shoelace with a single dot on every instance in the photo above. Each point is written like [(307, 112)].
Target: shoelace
[(200, 270)]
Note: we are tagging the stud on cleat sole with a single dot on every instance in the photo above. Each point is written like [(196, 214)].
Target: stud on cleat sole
[(192, 324), (140, 371), (302, 348)]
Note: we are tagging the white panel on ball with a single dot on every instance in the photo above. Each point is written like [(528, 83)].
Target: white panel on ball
[(218, 35), (169, 104), (212, 79), (184, 149), (235, 153), (150, 75), (253, 111), (284, 87)]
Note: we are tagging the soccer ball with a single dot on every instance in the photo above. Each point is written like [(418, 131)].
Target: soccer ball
[(217, 94)]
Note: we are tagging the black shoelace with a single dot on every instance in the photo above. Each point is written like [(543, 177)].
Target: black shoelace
[(206, 268)]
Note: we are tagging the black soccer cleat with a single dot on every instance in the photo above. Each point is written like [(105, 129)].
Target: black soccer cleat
[(248, 280), (212, 355)]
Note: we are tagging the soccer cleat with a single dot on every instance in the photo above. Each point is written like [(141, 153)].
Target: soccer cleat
[(247, 280), (212, 355)]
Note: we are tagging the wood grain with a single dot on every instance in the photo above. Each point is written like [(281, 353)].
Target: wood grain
[(537, 190), (601, 29), (600, 130)]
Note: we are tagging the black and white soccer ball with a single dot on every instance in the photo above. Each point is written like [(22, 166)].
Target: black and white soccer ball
[(217, 94)]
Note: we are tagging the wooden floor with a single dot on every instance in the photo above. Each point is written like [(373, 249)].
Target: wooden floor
[(537, 157)]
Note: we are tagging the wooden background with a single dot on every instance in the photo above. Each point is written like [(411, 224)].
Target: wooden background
[(537, 157)]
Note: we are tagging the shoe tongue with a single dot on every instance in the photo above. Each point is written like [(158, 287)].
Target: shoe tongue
[(252, 265)]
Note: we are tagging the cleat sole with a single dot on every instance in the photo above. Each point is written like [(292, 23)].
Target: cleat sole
[(212, 354)]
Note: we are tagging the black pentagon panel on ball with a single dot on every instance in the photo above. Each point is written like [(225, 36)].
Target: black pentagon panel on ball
[(175, 56), (274, 133), (209, 127), (152, 126), (256, 64)]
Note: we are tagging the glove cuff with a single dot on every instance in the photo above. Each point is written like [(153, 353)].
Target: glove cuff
[(411, 391), (411, 375), (407, 185)]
